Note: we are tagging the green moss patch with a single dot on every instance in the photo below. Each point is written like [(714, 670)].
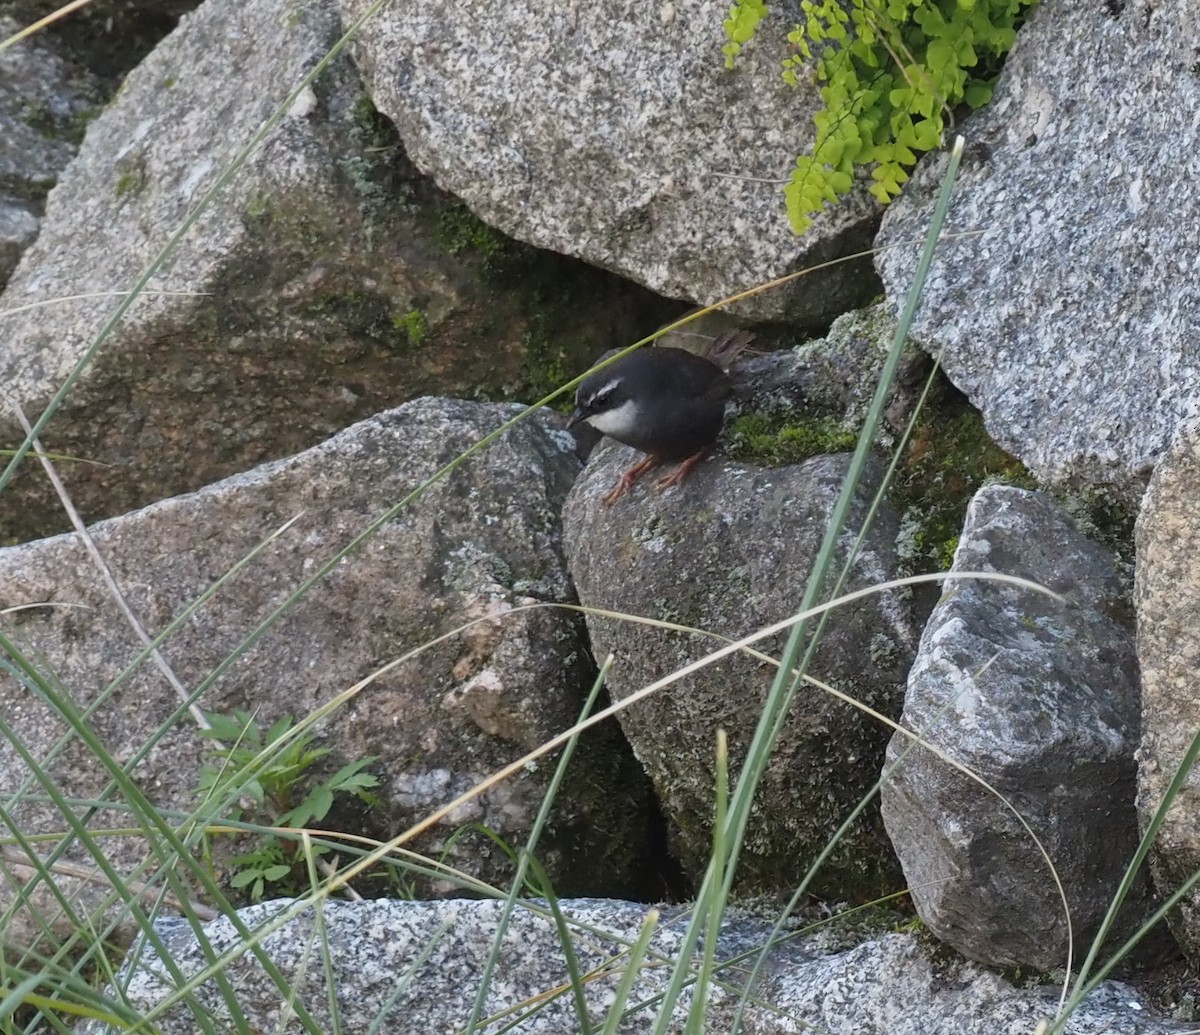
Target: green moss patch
[(948, 458), (786, 438), (460, 230), (413, 324)]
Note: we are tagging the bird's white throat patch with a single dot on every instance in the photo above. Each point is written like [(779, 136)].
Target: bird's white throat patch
[(617, 423)]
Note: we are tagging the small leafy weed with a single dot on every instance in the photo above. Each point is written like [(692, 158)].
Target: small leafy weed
[(268, 781)]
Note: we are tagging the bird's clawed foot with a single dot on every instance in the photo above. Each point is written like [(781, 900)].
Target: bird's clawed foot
[(625, 482), (677, 476)]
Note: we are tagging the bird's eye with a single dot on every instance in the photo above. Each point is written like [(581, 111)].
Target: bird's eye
[(601, 396)]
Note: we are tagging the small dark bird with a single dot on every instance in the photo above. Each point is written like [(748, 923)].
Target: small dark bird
[(669, 403)]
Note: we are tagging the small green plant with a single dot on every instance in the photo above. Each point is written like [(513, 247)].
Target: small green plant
[(131, 175), (414, 324), (276, 792), (892, 73)]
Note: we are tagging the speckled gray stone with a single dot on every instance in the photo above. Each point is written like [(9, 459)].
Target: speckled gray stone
[(1039, 699), (730, 551), (1071, 319), (324, 284), (887, 985), (613, 132), (477, 545), (1168, 622)]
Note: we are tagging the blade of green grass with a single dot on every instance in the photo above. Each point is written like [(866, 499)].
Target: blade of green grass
[(720, 855), (633, 963), (1086, 982), (535, 834), (316, 941), (407, 977), (785, 686), (574, 974)]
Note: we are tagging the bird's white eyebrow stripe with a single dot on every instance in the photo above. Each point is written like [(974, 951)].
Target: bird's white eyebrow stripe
[(605, 389)]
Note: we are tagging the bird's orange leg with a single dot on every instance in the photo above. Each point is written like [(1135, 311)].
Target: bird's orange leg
[(677, 476), (625, 483)]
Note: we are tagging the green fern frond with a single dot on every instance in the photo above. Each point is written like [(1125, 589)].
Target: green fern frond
[(892, 73)]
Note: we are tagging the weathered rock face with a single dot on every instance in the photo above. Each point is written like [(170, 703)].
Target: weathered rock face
[(481, 543), (327, 282), (44, 103), (1168, 632), (613, 132), (1039, 699), (889, 985), (729, 552), (1071, 320)]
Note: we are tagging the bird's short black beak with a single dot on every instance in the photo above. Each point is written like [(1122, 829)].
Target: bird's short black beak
[(575, 418)]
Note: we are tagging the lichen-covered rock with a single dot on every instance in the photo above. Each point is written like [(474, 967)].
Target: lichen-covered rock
[(614, 132), (1068, 316), (728, 552), (1039, 698), (327, 281), (480, 544)]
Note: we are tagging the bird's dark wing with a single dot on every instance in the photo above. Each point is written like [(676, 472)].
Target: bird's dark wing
[(725, 348)]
